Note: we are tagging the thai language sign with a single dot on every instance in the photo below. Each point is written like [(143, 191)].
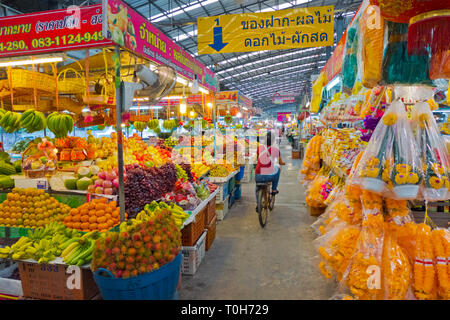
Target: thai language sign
[(283, 97), (227, 97), (51, 31), (246, 102), (284, 29), (131, 30)]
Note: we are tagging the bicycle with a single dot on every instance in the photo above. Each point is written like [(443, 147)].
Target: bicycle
[(265, 201)]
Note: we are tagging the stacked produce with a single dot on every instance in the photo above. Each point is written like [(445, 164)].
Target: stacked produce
[(184, 195), (97, 214), (220, 170), (190, 171), (171, 142), (39, 159), (30, 207), (199, 169), (170, 124), (153, 124), (107, 182), (74, 149), (60, 124), (140, 247), (144, 185), (150, 209)]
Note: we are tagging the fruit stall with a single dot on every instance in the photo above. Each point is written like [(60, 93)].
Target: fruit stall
[(377, 176), (78, 195)]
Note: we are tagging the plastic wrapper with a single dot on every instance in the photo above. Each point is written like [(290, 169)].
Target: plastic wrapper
[(350, 61), (372, 31), (336, 248), (313, 192), (399, 67), (390, 164), (317, 92), (441, 249), (326, 221), (362, 279), (433, 154), (397, 270), (425, 284)]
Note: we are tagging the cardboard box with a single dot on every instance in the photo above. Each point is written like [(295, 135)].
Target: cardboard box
[(51, 282)]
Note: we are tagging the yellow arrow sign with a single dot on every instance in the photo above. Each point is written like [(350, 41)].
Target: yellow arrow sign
[(277, 30)]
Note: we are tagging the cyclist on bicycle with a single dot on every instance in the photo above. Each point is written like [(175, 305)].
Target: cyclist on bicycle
[(268, 165)]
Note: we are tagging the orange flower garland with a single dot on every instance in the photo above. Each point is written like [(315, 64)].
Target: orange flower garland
[(441, 246), (311, 161), (424, 271)]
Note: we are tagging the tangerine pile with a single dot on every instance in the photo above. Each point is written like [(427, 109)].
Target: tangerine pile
[(30, 208), (98, 214)]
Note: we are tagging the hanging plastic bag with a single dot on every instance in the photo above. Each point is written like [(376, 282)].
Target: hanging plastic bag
[(399, 67), (433, 153), (317, 92), (363, 276), (350, 61), (372, 31), (397, 270)]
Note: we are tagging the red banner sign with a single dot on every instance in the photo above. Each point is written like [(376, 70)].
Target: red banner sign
[(52, 31)]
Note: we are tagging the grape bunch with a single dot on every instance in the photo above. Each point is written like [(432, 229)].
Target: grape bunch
[(143, 185), (187, 168)]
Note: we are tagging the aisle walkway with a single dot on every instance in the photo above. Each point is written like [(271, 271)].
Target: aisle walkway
[(278, 262)]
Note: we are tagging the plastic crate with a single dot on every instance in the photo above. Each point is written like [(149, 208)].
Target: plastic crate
[(222, 209), (193, 256), (231, 199), (210, 211), (160, 284), (223, 192), (193, 231), (211, 233)]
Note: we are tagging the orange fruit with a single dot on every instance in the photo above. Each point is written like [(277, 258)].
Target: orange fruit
[(102, 200), (108, 209), (100, 213), (92, 219), (110, 223), (84, 211), (74, 211), (101, 219), (113, 204), (115, 214), (84, 218), (76, 218), (67, 219), (84, 225), (93, 226), (91, 205), (76, 225)]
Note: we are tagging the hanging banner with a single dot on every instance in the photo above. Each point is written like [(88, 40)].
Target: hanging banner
[(227, 96), (283, 29), (334, 64), (129, 29), (246, 102), (52, 31)]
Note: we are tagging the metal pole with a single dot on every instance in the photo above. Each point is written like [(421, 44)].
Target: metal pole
[(119, 105), (214, 122)]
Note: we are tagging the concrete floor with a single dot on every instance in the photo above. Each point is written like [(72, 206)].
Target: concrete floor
[(277, 262)]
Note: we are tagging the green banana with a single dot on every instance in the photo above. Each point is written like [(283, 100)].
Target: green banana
[(69, 249)]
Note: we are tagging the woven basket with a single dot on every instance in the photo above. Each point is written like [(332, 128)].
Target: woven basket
[(25, 103), (108, 92), (72, 85), (69, 104), (21, 79)]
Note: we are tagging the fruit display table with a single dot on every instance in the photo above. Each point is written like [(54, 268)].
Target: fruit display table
[(200, 207)]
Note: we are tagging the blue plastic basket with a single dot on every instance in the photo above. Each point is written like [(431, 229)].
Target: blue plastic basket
[(240, 174), (160, 284)]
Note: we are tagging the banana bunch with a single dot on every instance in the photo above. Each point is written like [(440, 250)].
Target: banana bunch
[(140, 125), (178, 215), (79, 251), (60, 124), (169, 124), (153, 124), (22, 249), (32, 121), (10, 122), (128, 225)]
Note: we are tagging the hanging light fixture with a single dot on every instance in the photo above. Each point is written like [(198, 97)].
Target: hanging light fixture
[(183, 105), (195, 87)]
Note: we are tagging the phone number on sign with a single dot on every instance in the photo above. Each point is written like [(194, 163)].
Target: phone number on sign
[(66, 40)]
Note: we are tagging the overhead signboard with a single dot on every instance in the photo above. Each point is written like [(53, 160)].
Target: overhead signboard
[(283, 116), (227, 97), (133, 31), (283, 97), (52, 31), (283, 29)]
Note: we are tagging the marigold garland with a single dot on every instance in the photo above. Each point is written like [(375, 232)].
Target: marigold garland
[(441, 247), (424, 270)]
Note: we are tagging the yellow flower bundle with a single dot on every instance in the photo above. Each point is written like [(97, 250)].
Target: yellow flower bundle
[(353, 203), (424, 271), (313, 197), (441, 247), (311, 161), (396, 270)]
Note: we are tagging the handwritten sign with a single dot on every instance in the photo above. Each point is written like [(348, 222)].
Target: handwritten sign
[(283, 29)]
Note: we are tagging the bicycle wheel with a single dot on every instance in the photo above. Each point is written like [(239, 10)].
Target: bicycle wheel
[(262, 207), (271, 201)]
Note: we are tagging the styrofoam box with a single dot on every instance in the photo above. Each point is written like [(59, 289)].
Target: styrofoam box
[(193, 256), (222, 213), (24, 182)]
